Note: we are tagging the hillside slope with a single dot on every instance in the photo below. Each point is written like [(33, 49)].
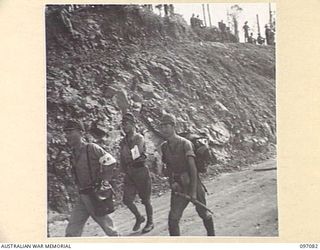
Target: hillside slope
[(126, 58)]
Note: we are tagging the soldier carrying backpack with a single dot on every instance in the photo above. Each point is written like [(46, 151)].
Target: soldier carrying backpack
[(179, 157), (201, 150)]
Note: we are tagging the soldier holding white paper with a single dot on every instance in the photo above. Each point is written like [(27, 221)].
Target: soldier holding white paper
[(137, 177)]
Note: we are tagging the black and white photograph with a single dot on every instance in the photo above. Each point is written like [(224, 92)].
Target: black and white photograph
[(161, 120)]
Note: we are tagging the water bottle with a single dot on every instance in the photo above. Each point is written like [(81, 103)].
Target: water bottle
[(105, 191)]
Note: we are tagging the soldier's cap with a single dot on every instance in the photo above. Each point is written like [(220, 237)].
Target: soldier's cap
[(128, 117), (73, 124), (167, 119)]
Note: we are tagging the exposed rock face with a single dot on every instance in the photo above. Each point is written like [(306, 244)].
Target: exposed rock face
[(127, 58)]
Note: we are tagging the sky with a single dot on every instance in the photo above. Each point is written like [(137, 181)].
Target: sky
[(218, 12)]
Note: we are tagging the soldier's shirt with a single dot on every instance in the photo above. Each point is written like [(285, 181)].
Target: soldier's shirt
[(175, 155), (126, 146), (80, 164)]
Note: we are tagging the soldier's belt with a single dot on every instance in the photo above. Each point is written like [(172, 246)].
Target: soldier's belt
[(140, 164), (178, 176), (86, 190)]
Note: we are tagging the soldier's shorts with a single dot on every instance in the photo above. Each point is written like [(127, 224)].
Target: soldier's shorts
[(137, 181)]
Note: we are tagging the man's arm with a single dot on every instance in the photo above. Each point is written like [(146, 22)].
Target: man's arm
[(122, 164), (73, 170), (106, 171), (192, 169), (193, 177)]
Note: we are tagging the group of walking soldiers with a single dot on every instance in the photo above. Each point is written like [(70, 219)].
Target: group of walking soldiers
[(178, 156)]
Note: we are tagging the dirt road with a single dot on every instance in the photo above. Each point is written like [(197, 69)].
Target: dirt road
[(244, 204)]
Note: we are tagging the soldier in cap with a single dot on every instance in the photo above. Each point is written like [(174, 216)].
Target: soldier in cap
[(267, 33), (85, 159), (179, 158), (192, 21), (246, 31), (137, 177)]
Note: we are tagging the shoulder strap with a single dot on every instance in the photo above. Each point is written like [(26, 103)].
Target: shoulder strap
[(164, 147), (168, 147), (89, 164), (73, 168)]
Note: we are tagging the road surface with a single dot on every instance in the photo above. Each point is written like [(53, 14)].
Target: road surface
[(244, 204)]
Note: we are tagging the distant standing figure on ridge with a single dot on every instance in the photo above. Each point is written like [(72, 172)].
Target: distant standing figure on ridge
[(222, 27), (246, 31), (192, 21), (166, 9), (267, 33), (171, 9), (271, 37)]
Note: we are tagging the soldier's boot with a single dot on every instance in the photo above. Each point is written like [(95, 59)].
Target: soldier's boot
[(174, 229), (139, 221), (208, 224), (149, 211), (139, 218)]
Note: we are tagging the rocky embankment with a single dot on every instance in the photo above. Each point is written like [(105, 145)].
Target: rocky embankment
[(127, 58)]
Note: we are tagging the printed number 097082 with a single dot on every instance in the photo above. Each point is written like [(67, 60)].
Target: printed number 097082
[(313, 246)]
